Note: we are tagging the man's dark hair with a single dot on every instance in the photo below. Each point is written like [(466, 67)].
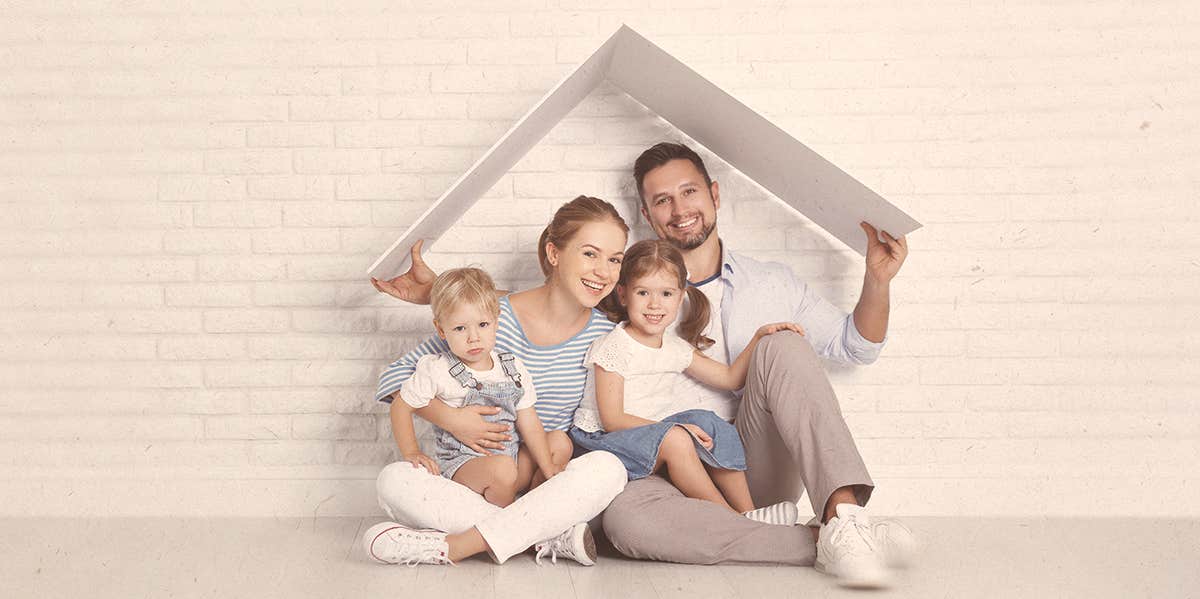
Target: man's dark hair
[(662, 153)]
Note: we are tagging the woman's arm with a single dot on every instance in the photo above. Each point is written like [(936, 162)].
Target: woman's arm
[(610, 400), (406, 437), (533, 435), (467, 424), (733, 377), (413, 286)]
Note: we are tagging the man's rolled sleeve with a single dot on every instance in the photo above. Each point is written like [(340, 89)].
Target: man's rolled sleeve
[(859, 349), (831, 331)]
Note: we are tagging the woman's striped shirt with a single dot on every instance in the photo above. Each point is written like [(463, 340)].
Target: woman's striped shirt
[(557, 370)]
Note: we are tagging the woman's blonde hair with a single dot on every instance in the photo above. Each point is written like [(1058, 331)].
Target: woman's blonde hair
[(459, 286), (647, 257)]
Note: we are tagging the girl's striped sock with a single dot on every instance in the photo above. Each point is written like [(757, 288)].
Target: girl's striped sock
[(784, 513)]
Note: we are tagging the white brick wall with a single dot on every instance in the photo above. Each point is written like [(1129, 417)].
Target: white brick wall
[(192, 193)]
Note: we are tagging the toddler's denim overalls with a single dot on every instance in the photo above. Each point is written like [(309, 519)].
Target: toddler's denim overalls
[(451, 453)]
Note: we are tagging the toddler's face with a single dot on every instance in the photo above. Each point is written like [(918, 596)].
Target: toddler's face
[(471, 332), (652, 302)]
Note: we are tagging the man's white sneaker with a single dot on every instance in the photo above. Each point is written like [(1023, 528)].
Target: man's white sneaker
[(896, 541), (575, 543), (393, 543), (785, 513), (847, 550)]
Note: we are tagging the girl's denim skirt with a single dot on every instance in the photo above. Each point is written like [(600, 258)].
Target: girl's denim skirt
[(638, 447)]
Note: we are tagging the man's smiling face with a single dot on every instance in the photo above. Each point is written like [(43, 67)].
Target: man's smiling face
[(678, 205)]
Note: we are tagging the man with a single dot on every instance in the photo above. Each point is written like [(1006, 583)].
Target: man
[(788, 417)]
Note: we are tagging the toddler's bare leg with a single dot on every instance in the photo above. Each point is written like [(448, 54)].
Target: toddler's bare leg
[(685, 469), (527, 470), (494, 477), (561, 450)]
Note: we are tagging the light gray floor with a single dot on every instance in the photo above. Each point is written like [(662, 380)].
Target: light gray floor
[(321, 557)]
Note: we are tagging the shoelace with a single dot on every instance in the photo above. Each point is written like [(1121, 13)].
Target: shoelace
[(862, 530), (553, 547), (879, 533), (542, 550), (428, 555)]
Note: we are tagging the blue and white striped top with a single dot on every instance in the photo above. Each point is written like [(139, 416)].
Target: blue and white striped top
[(557, 370)]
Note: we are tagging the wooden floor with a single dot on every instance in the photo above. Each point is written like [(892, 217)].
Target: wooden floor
[(321, 557)]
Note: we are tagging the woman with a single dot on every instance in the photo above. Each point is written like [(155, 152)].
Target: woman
[(550, 328)]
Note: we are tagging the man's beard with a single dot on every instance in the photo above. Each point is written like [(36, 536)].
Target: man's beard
[(695, 241)]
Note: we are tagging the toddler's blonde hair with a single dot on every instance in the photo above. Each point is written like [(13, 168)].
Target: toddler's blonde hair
[(459, 286)]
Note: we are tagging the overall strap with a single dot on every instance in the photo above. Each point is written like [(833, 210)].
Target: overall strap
[(459, 371), (508, 363)]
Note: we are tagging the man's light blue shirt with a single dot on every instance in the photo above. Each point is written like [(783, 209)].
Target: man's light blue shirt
[(758, 293)]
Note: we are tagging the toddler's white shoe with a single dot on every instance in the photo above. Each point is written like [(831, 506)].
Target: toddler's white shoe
[(896, 541), (784, 513), (393, 543), (848, 551), (575, 543)]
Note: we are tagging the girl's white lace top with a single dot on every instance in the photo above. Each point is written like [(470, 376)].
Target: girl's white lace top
[(649, 373)]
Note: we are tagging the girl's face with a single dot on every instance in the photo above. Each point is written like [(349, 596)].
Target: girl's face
[(470, 331), (652, 302), (589, 264)]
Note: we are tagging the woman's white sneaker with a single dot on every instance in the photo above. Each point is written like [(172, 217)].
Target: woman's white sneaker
[(848, 551), (393, 543), (575, 543), (784, 513)]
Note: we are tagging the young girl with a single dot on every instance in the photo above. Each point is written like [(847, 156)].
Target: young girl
[(628, 407), (465, 311)]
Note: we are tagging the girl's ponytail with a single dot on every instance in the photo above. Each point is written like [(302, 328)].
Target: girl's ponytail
[(612, 308), (691, 327)]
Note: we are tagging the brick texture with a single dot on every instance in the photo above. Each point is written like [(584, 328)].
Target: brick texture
[(192, 194)]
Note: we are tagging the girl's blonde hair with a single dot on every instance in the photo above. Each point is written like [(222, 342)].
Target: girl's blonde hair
[(459, 286), (647, 257)]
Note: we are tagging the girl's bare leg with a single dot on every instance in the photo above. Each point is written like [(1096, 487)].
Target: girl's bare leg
[(685, 469), (493, 476), (734, 487)]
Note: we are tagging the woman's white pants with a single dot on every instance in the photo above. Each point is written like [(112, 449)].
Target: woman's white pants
[(412, 496)]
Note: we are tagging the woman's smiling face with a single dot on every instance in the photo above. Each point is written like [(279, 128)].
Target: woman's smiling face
[(589, 263)]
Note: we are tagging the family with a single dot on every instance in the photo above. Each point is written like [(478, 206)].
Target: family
[(673, 387)]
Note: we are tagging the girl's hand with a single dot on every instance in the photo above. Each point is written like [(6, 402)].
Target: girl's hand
[(413, 286), (480, 435), (768, 329), (421, 460), (705, 440)]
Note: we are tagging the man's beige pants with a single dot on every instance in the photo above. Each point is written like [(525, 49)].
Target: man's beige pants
[(795, 438)]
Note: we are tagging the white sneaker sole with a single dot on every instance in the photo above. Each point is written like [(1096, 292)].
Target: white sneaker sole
[(582, 536), (867, 579)]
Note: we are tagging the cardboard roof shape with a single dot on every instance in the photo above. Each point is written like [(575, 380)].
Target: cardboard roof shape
[(795, 174)]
